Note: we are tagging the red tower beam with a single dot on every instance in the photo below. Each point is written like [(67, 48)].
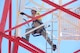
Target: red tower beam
[(3, 20), (28, 46), (38, 16), (10, 26), (15, 46), (4, 15), (20, 42), (77, 51), (62, 8)]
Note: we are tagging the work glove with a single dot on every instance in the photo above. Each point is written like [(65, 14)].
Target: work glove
[(22, 13)]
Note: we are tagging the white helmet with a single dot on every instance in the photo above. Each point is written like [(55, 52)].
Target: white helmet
[(34, 8)]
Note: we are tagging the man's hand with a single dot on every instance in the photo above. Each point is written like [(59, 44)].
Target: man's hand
[(22, 13)]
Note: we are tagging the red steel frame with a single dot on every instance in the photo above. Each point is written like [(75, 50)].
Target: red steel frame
[(77, 51), (17, 43), (62, 8), (16, 40), (3, 20)]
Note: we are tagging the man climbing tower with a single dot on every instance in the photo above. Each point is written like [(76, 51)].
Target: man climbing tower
[(40, 31)]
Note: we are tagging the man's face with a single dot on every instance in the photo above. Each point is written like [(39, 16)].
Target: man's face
[(33, 12)]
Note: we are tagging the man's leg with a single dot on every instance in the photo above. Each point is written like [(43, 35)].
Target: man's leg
[(27, 35), (48, 39)]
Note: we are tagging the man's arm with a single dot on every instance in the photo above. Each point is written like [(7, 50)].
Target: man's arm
[(22, 13)]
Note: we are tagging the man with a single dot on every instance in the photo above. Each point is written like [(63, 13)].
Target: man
[(40, 31)]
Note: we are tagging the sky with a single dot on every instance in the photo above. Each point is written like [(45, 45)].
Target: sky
[(66, 46)]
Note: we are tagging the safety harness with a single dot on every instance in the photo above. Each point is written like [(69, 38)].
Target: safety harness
[(38, 31)]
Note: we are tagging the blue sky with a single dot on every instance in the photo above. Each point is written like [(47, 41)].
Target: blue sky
[(66, 46)]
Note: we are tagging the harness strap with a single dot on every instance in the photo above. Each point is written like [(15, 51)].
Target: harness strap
[(38, 30)]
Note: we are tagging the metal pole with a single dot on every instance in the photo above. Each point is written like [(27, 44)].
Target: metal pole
[(59, 27), (10, 26)]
